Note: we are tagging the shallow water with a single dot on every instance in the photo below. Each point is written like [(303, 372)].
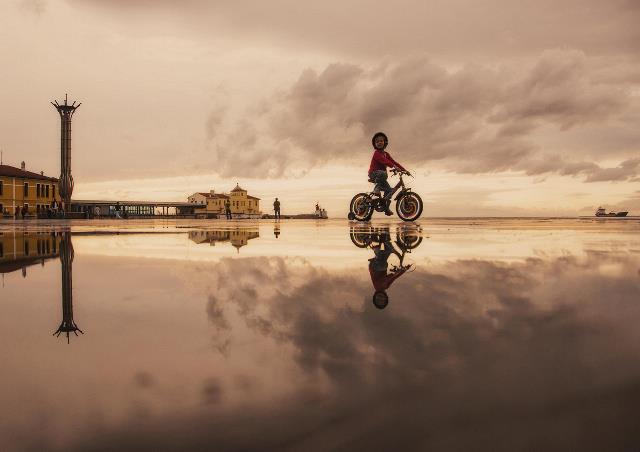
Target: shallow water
[(516, 334)]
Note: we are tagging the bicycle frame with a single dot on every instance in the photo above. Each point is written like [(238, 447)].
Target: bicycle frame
[(400, 184)]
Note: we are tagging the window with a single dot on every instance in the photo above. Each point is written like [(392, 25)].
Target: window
[(37, 190), (26, 247), (54, 191), (47, 191), (1, 188), (1, 249), (26, 189), (1, 208)]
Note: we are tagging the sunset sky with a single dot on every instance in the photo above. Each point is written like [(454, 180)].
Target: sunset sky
[(497, 107)]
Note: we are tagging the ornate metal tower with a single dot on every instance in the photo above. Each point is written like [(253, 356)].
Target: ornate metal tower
[(68, 325), (66, 112)]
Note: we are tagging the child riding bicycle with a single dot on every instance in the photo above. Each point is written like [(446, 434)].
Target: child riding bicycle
[(378, 168)]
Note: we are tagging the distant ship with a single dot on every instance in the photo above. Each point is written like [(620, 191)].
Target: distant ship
[(603, 213)]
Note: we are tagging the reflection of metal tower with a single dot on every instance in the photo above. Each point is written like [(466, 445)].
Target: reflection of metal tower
[(66, 258), (66, 112)]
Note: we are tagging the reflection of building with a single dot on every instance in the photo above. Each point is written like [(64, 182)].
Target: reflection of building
[(19, 250), (213, 204), (238, 237), (19, 187)]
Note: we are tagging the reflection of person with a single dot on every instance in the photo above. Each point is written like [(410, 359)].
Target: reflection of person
[(227, 209), (276, 208), (276, 230), (378, 167), (378, 267)]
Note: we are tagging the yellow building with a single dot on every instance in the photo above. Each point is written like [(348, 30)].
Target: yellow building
[(19, 187), (213, 204)]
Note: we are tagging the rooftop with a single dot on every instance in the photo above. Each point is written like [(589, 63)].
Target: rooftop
[(12, 171)]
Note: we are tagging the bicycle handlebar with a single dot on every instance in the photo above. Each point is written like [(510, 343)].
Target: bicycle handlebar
[(401, 172)]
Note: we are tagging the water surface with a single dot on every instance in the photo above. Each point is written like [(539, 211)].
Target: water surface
[(301, 335)]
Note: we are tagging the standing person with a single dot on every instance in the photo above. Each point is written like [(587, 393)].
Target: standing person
[(24, 212), (227, 209), (378, 167), (276, 208), (96, 212), (17, 212)]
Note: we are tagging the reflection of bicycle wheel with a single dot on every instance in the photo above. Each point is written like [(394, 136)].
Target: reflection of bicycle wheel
[(409, 207), (361, 207), (360, 239), (409, 242)]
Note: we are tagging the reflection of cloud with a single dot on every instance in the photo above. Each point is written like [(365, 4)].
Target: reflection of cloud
[(471, 355)]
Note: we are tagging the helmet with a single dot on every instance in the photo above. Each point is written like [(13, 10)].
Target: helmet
[(380, 299), (380, 134)]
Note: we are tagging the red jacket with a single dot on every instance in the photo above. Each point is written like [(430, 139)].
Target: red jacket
[(381, 160), (381, 280)]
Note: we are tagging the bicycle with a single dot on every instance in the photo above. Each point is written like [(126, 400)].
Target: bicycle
[(406, 239), (409, 205)]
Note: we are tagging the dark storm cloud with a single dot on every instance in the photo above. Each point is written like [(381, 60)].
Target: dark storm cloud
[(469, 355), (452, 27), (474, 119)]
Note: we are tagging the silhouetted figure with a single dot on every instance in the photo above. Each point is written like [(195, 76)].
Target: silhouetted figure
[(227, 209), (24, 212), (276, 208), (276, 230)]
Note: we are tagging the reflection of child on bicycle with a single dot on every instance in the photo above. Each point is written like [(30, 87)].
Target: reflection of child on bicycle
[(378, 168), (378, 270)]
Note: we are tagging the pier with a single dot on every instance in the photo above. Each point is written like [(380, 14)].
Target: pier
[(138, 209)]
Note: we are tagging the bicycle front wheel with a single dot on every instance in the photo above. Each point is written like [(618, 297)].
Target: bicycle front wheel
[(409, 207)]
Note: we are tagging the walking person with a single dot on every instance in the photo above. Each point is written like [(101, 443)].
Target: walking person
[(227, 209), (276, 208)]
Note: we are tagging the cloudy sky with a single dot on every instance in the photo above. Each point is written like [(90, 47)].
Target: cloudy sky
[(498, 107)]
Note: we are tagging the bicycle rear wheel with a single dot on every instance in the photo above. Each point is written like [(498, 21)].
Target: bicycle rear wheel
[(361, 207)]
